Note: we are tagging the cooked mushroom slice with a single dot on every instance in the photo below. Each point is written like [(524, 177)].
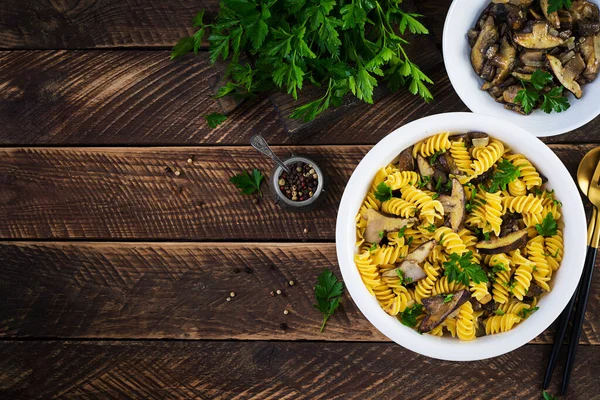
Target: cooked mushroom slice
[(479, 139), (504, 61), (438, 310), (552, 17), (585, 17), (569, 73), (510, 93), (534, 290), (447, 164), (509, 224), (522, 77), (590, 49), (420, 253), (515, 108), (426, 170), (520, 3), (532, 58), (487, 38), (405, 160), (378, 223), (410, 268), (538, 38), (454, 205), (510, 242)]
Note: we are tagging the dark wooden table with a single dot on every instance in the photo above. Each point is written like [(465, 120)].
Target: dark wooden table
[(114, 273)]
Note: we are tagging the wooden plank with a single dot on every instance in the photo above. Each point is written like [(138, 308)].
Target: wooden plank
[(435, 15), (275, 370), (179, 291), (119, 97), (32, 24), (125, 193)]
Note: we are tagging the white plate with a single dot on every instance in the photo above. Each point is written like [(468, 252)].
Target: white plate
[(462, 16), (564, 281)]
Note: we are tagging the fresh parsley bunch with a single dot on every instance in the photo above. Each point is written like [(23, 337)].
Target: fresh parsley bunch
[(535, 91), (344, 46)]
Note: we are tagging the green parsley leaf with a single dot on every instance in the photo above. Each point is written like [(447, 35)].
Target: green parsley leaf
[(373, 247), (526, 312), (471, 204), (534, 90), (499, 312), (425, 180), (408, 280), (499, 268), (539, 79), (448, 298), (505, 173), (461, 268), (400, 275), (409, 316), (215, 119), (435, 156), (248, 183), (328, 293), (401, 232), (410, 21), (435, 196), (486, 236), (431, 228), (380, 234), (548, 227), (527, 98), (555, 101), (555, 5), (383, 192), (409, 241)]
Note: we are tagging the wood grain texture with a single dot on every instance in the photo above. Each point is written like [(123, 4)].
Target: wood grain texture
[(125, 193), (275, 370), (179, 291), (86, 24), (118, 97)]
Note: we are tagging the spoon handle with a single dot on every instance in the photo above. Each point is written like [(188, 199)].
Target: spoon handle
[(260, 144)]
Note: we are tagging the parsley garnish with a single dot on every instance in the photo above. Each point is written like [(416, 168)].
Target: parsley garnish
[(435, 156), (533, 91), (499, 312), (342, 47), (373, 247), (381, 234), (383, 192), (400, 275), (425, 180), (401, 232), (525, 312), (486, 236), (548, 396), (461, 268), (328, 293), (448, 298), (438, 184), (409, 241), (215, 119), (471, 204), (435, 196), (505, 173), (548, 227), (408, 280), (499, 268), (431, 228), (409, 316), (248, 183), (555, 5), (555, 255)]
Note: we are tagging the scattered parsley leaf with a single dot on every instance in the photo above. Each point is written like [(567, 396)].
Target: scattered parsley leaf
[(438, 184), (431, 228), (555, 5), (461, 268), (448, 298), (409, 316), (548, 227), (425, 180), (528, 99), (534, 90), (471, 204), (401, 232), (383, 192), (435, 156), (381, 234), (526, 312), (486, 236), (435, 196), (555, 101), (215, 119), (499, 312), (408, 280), (373, 247), (539, 79), (499, 268), (442, 238), (248, 183), (505, 173), (328, 293), (409, 241), (400, 275)]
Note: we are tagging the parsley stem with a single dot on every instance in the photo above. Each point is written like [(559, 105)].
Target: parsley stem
[(324, 322)]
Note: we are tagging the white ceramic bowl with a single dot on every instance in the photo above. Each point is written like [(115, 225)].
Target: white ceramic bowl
[(462, 16), (564, 281)]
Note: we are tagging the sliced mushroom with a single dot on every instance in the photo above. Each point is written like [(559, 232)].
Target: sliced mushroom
[(590, 49), (447, 164), (438, 310), (454, 205), (510, 224), (569, 73), (510, 242), (586, 17), (534, 290), (504, 61), (378, 223), (405, 160), (479, 139), (520, 3), (522, 77), (487, 38), (551, 17), (425, 170), (538, 38), (410, 265), (411, 271), (532, 58), (510, 93)]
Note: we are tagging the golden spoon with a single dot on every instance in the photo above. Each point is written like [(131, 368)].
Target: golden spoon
[(585, 172)]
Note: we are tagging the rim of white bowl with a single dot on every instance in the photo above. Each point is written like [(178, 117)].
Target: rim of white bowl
[(564, 282), (462, 16)]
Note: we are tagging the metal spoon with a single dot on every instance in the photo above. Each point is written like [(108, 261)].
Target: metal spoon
[(585, 172), (260, 144)]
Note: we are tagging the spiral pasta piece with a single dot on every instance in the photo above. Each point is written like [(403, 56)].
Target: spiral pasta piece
[(399, 179), (430, 209), (425, 285), (522, 276), (554, 250), (370, 202), (465, 322), (517, 188), (523, 204), (529, 174), (493, 212), (439, 142), (462, 159), (541, 271), (443, 286), (488, 157), (382, 175), (502, 277), (480, 292), (386, 255), (468, 238), (367, 269), (450, 240), (450, 325), (399, 207), (514, 307), (501, 323)]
